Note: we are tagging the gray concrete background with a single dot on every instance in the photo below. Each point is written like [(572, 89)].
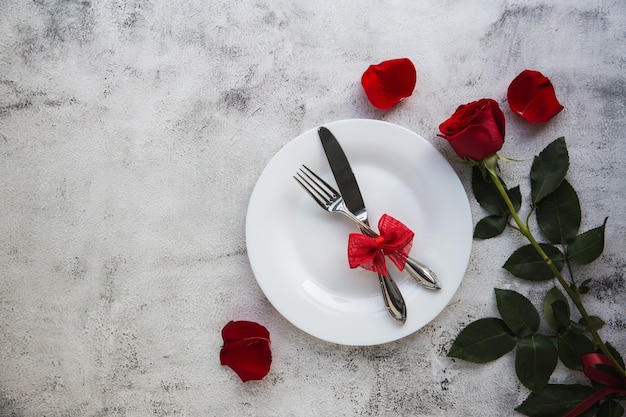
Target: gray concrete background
[(131, 136)]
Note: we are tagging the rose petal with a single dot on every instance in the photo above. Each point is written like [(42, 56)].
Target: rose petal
[(246, 349), (250, 359), (235, 330), (484, 142), (531, 95), (389, 82)]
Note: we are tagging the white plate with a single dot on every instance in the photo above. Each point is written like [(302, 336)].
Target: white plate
[(298, 252)]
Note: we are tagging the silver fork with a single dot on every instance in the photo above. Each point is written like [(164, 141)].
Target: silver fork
[(394, 301), (330, 200)]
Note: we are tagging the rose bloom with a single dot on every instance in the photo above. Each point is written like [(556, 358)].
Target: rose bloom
[(475, 130)]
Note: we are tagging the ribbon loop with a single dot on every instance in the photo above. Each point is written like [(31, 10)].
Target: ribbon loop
[(613, 384), (395, 241)]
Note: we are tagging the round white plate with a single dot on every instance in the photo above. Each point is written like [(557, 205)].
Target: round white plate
[(298, 251)]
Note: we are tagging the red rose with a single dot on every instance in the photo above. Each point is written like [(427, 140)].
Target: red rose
[(475, 130), (389, 82), (246, 349), (531, 95)]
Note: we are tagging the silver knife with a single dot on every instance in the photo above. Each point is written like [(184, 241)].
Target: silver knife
[(349, 189)]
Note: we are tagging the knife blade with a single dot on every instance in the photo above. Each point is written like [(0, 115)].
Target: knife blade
[(349, 189), (342, 171)]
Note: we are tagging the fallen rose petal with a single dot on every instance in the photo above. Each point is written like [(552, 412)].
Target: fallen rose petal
[(246, 349), (531, 95), (250, 359), (236, 330), (389, 82)]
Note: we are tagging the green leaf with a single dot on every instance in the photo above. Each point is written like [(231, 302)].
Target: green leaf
[(596, 323), (610, 408), (558, 214), (490, 226), (586, 247), (577, 327), (487, 194), (572, 346), (515, 195), (584, 287), (517, 312), (561, 312), (554, 400), (556, 310), (526, 263), (548, 169), (615, 354), (483, 341), (489, 197), (535, 360)]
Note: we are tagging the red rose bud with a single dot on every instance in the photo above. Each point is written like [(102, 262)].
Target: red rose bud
[(246, 349), (475, 130), (532, 96), (389, 82)]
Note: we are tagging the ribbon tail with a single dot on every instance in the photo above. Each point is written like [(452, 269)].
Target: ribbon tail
[(613, 385), (398, 240), (379, 265), (589, 402), (398, 258), (363, 251)]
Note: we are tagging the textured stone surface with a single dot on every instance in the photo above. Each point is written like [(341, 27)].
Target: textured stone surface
[(131, 136)]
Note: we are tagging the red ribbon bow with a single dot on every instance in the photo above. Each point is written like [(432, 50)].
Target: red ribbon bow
[(395, 241), (613, 384)]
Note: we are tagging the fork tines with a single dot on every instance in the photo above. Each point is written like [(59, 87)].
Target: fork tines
[(317, 188)]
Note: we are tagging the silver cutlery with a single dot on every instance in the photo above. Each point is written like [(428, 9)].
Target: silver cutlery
[(330, 200), (349, 188)]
